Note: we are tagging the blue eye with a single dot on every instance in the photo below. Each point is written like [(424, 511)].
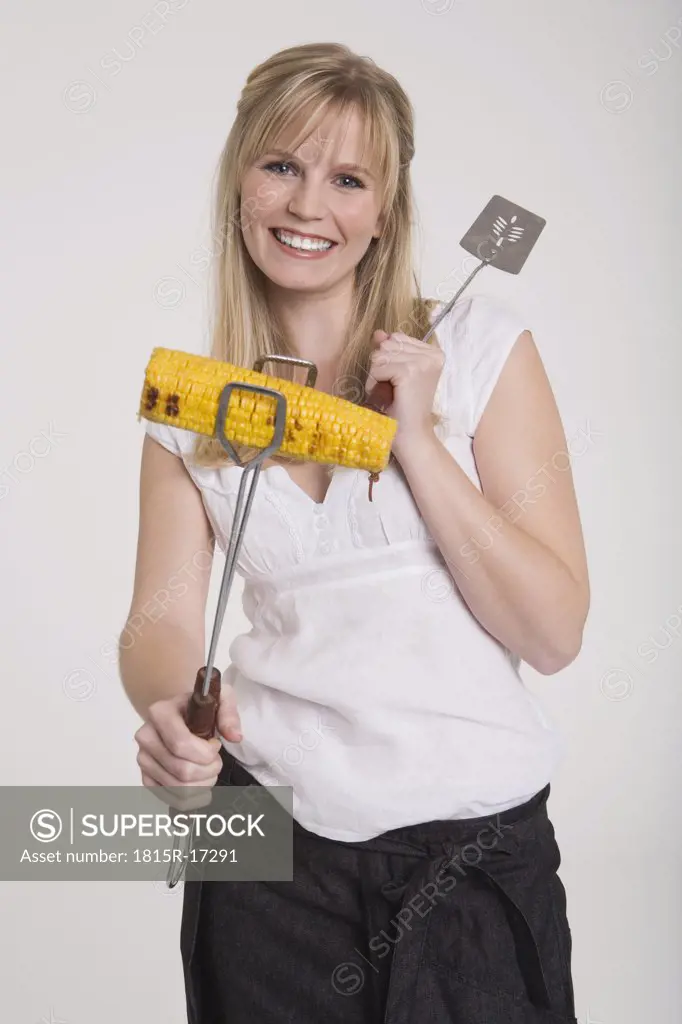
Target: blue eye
[(356, 183), (276, 163), (350, 177)]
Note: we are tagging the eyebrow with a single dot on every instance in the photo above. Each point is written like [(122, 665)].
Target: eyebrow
[(342, 167)]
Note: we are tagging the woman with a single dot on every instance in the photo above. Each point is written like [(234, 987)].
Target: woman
[(380, 676)]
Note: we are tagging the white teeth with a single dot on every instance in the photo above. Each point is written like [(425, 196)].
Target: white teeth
[(297, 242)]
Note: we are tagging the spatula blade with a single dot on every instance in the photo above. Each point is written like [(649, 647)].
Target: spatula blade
[(503, 235)]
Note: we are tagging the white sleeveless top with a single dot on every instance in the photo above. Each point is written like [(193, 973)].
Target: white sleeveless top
[(365, 682)]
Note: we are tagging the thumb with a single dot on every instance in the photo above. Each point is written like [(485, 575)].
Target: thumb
[(227, 721)]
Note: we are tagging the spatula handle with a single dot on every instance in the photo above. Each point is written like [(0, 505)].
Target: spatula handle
[(381, 396), (202, 711)]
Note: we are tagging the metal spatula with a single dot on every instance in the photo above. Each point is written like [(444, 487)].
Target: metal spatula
[(502, 236)]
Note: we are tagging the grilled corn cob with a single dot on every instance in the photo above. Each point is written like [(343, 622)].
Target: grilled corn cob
[(184, 390)]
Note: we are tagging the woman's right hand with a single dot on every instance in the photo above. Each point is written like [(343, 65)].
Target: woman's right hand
[(171, 756)]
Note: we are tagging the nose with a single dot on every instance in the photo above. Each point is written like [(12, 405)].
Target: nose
[(307, 199)]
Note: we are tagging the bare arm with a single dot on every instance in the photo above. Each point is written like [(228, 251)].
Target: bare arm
[(519, 564), (163, 643)]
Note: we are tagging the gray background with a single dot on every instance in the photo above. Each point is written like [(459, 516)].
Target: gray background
[(569, 110)]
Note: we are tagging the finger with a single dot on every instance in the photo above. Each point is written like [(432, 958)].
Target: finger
[(228, 722), (154, 789), (392, 359), (192, 799), (186, 800), (408, 341), (391, 347), (193, 774), (168, 719), (384, 341), (150, 741), (399, 340), (378, 371), (232, 731)]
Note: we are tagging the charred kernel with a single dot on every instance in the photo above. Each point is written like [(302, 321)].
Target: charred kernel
[(172, 408), (152, 398)]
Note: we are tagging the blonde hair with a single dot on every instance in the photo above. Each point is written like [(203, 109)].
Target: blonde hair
[(307, 82)]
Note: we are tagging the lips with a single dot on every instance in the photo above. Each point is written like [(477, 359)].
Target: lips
[(302, 234), (303, 251)]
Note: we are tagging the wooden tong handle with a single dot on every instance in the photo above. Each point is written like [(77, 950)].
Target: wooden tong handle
[(202, 712)]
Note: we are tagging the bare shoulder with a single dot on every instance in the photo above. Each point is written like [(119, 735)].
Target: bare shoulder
[(522, 458), (175, 542)]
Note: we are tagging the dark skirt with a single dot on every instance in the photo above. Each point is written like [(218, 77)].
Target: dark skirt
[(446, 922)]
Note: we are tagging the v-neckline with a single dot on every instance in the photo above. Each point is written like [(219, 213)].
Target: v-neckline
[(291, 483)]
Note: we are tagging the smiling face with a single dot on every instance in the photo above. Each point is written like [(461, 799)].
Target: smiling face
[(309, 216)]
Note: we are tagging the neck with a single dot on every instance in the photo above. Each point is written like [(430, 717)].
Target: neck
[(315, 324)]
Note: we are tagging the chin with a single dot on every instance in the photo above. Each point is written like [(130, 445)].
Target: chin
[(302, 286), (305, 280)]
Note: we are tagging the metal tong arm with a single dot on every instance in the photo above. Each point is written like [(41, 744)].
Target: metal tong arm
[(202, 710)]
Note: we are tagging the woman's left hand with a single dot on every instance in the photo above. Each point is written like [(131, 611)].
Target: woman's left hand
[(413, 367)]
